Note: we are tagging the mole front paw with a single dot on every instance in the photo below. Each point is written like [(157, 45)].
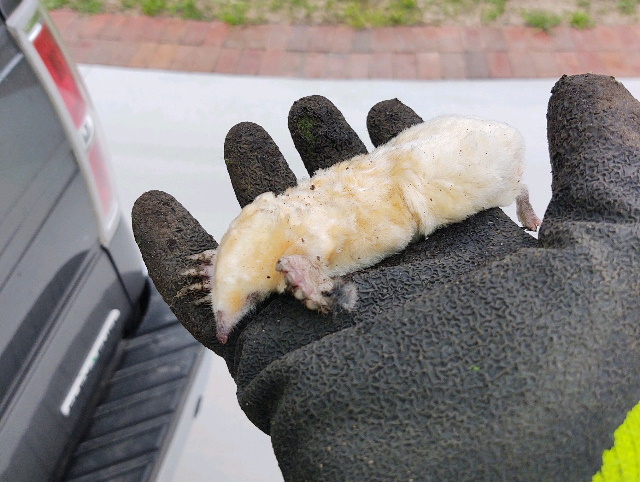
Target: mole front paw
[(204, 272), (307, 281)]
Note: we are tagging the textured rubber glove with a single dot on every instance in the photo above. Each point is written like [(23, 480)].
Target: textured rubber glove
[(477, 354)]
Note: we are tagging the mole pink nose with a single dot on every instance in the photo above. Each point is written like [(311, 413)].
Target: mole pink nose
[(223, 327)]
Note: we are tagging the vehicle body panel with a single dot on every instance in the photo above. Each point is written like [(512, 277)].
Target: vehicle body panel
[(76, 305)]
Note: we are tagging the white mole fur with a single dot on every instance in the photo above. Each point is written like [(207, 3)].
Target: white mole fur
[(360, 211)]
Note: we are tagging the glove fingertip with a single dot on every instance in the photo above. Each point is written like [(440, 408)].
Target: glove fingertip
[(593, 125), (321, 134), (255, 163), (388, 118), (167, 235)]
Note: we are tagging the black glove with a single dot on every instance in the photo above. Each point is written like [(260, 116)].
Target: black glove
[(477, 354)]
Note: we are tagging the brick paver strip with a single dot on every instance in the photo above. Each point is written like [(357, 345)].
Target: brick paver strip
[(427, 53), (453, 66), (499, 65), (315, 65), (271, 62), (250, 61), (113, 30), (405, 66), (337, 66), (570, 62), (358, 66)]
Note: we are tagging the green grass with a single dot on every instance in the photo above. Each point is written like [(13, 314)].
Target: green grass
[(300, 10), (360, 13), (234, 13), (581, 20), (187, 9), (541, 19), (628, 7), (493, 10), (84, 6), (153, 7)]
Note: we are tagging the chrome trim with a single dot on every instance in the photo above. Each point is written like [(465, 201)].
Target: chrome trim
[(89, 362)]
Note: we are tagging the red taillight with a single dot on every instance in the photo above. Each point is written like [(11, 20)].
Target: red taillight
[(77, 103), (56, 64)]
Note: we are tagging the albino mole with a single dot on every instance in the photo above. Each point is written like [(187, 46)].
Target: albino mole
[(360, 211)]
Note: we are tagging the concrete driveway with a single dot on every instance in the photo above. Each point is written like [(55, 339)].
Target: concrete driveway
[(166, 131)]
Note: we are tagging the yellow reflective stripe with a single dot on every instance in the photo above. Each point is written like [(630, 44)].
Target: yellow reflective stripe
[(622, 461)]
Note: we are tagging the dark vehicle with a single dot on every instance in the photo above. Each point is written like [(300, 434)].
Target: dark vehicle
[(98, 380)]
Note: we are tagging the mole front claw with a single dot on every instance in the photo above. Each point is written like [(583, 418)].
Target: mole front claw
[(208, 299), (205, 272), (204, 285), (206, 257)]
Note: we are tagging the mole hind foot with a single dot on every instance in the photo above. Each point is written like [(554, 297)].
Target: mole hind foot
[(204, 272), (307, 281), (525, 212)]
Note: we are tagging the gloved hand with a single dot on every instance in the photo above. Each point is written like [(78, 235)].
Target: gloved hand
[(477, 354)]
